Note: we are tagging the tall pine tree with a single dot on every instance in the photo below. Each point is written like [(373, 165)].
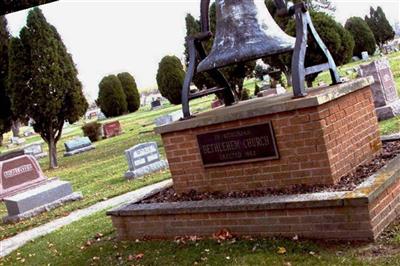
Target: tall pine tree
[(5, 106), (379, 25), (131, 92), (46, 87)]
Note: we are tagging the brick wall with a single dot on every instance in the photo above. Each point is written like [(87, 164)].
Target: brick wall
[(317, 145), (351, 219)]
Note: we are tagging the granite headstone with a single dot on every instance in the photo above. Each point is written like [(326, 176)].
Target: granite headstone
[(143, 159), (77, 145), (27, 192), (18, 174), (112, 129), (36, 150), (386, 99), (169, 118), (156, 104)]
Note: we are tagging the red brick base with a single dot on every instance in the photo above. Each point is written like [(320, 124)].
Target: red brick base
[(359, 215), (317, 145)]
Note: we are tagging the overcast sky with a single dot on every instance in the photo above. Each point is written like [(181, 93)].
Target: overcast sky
[(108, 37)]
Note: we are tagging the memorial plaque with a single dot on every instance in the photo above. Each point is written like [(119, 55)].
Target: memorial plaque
[(112, 129), (238, 145), (19, 173)]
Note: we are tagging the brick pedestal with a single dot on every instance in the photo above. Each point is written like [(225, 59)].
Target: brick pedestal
[(319, 138)]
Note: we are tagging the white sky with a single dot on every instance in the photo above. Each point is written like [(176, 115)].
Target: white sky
[(108, 37)]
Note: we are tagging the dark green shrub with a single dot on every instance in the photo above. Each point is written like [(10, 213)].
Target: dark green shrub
[(92, 130), (170, 76), (112, 99), (362, 34), (131, 92)]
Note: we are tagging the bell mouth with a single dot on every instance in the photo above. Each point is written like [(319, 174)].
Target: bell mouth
[(222, 58)]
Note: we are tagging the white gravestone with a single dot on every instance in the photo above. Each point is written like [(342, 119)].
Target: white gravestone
[(169, 118), (36, 150), (144, 159)]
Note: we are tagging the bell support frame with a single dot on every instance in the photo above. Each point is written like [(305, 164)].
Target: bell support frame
[(197, 51), (304, 26)]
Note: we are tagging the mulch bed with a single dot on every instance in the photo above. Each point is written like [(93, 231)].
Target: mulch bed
[(346, 183)]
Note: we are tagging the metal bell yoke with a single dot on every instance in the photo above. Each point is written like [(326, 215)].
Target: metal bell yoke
[(245, 31)]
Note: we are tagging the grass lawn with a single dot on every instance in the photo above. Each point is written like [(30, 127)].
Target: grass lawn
[(91, 241), (99, 175)]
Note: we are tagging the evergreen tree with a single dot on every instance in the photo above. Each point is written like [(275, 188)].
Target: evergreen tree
[(112, 99), (363, 36), (379, 25), (43, 81), (170, 76), (5, 105), (131, 92)]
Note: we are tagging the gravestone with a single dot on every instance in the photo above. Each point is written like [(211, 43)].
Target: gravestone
[(29, 132), (112, 129), (386, 99), (216, 103), (17, 140), (18, 174), (272, 91), (364, 56), (156, 104), (169, 118), (77, 145), (27, 192), (36, 150), (11, 154), (143, 159)]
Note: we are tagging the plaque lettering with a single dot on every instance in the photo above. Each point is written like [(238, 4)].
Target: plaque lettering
[(250, 143)]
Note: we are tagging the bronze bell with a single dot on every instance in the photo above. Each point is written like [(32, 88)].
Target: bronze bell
[(245, 30)]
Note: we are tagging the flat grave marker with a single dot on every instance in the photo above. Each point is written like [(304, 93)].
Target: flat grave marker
[(36, 150), (77, 145)]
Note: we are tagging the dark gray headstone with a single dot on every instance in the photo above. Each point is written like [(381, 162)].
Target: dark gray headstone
[(143, 159), (155, 104)]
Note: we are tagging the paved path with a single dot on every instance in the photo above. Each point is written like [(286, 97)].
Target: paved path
[(10, 244)]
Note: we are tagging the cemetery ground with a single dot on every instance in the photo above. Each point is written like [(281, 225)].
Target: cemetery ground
[(98, 174)]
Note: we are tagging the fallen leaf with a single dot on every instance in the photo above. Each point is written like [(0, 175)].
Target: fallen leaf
[(139, 256), (131, 258), (223, 234), (281, 250), (96, 258)]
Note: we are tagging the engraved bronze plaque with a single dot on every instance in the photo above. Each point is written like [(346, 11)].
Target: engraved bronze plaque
[(238, 145)]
